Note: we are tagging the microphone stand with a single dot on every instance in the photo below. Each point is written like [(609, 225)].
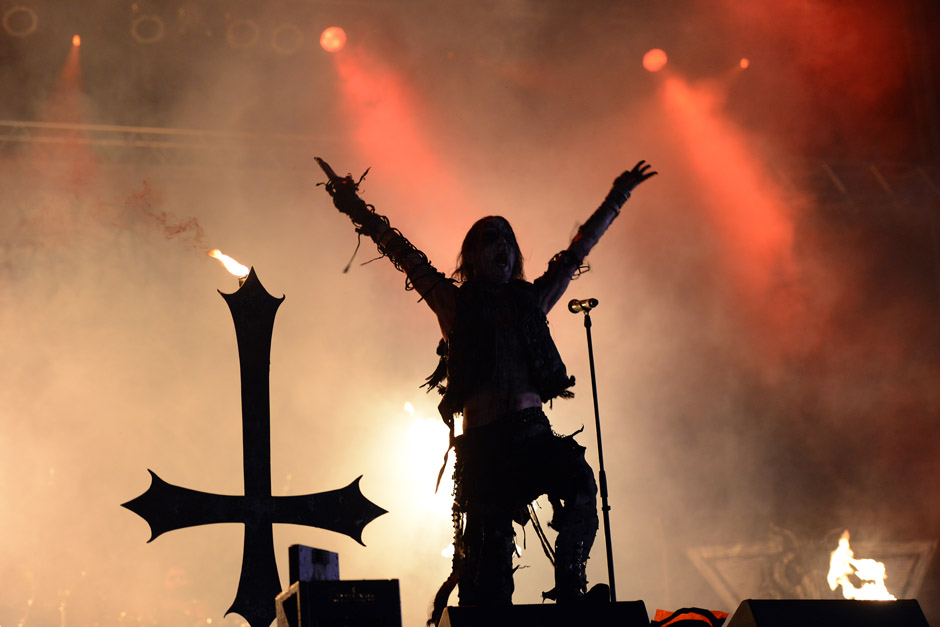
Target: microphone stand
[(586, 306)]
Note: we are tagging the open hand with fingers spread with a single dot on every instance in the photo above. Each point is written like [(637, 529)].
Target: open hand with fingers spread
[(627, 181)]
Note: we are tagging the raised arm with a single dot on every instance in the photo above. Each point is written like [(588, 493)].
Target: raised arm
[(552, 285), (435, 289)]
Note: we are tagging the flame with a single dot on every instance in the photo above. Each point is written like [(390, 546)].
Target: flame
[(230, 264), (842, 565)]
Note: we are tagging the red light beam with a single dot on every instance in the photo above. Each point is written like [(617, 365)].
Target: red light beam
[(385, 118), (751, 219)]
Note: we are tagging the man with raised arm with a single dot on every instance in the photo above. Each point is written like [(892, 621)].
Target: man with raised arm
[(500, 365)]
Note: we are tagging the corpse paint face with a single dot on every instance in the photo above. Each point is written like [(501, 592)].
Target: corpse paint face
[(497, 257)]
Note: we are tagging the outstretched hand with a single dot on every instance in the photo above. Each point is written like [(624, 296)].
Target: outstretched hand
[(344, 190), (336, 185), (627, 181)]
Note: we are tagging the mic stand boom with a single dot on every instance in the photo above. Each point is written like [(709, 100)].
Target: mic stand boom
[(601, 475)]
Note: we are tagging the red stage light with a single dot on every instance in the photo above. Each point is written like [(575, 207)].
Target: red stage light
[(76, 41), (333, 39), (745, 63), (654, 60)]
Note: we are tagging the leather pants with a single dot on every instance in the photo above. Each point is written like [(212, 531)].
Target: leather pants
[(501, 468)]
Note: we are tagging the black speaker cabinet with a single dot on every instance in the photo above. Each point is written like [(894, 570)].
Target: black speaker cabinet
[(623, 614), (767, 613), (368, 603)]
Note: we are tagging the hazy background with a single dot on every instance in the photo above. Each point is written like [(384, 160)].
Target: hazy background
[(767, 343)]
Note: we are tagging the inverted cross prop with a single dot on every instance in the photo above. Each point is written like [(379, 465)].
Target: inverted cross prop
[(166, 507)]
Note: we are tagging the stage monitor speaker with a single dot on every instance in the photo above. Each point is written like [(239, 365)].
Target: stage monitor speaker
[(623, 614), (825, 613), (367, 603)]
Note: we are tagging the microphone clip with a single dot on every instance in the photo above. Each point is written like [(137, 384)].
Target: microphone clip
[(582, 306)]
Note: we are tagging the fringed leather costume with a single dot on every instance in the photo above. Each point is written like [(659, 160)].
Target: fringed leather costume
[(501, 342)]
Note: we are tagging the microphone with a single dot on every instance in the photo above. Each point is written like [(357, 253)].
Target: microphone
[(586, 305)]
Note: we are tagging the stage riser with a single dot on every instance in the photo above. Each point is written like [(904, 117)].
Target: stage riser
[(772, 613), (623, 614)]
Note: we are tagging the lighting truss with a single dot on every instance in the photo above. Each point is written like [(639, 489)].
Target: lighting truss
[(168, 146)]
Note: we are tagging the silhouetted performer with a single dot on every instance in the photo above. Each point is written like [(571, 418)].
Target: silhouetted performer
[(500, 365)]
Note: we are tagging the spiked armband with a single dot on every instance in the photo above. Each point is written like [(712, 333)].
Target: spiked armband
[(419, 272)]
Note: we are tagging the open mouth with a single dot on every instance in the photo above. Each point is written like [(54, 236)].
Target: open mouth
[(501, 260)]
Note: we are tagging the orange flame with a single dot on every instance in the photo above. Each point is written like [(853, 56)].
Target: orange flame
[(870, 573), (230, 264)]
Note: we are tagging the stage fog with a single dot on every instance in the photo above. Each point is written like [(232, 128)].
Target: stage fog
[(766, 340)]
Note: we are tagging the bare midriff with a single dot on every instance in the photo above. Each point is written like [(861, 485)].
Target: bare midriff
[(485, 408)]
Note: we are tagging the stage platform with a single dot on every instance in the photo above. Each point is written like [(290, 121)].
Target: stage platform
[(621, 614)]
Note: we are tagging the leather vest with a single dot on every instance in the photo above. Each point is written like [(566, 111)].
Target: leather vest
[(501, 343)]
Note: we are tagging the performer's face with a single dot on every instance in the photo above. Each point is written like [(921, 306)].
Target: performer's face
[(497, 256)]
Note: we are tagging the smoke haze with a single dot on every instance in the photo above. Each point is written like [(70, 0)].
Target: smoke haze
[(766, 344)]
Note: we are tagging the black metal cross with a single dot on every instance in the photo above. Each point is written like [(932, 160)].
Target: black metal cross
[(166, 507)]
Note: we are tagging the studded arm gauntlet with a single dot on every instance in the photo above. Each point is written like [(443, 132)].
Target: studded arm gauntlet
[(421, 275), (591, 231)]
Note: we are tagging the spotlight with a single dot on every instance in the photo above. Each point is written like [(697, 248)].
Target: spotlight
[(744, 63), (242, 34), (286, 39), (654, 60), (333, 39), (76, 41), (20, 21), (147, 29)]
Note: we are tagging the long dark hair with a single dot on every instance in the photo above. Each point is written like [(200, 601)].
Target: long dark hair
[(473, 244)]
